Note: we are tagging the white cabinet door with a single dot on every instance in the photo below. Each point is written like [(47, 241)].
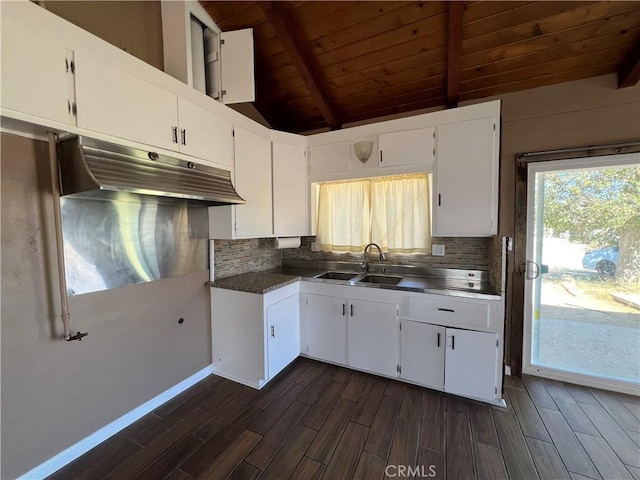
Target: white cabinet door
[(373, 340), (325, 327), (470, 364), (236, 51), (411, 147), (253, 183), (290, 198), (115, 103), (465, 201), (283, 330), (332, 158), (204, 135), (422, 349), (35, 80)]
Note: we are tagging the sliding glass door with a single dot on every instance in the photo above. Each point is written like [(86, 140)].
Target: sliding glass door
[(582, 288)]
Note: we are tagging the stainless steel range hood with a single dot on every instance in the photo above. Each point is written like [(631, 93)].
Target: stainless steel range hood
[(96, 169)]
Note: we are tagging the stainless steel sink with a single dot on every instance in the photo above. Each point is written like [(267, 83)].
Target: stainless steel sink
[(338, 275), (380, 279)]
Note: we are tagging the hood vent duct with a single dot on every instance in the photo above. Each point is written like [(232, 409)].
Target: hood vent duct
[(96, 169)]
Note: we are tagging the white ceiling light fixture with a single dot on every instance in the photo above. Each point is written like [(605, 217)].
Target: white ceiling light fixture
[(363, 150)]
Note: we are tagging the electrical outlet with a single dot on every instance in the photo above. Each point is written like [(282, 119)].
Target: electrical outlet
[(314, 247), (437, 250)]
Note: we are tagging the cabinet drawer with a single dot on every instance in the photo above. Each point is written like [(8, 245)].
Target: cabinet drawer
[(451, 312)]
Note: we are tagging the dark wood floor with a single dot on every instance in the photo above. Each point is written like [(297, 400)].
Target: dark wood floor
[(321, 421)]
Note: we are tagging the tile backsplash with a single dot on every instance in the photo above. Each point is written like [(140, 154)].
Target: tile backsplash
[(466, 253), (233, 257)]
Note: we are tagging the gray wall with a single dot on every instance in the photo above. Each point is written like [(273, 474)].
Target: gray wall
[(55, 393)]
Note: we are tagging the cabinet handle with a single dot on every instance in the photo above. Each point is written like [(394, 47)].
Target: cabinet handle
[(380, 156), (439, 200), (183, 134), (175, 134), (446, 310), (273, 331), (344, 309), (453, 342), (438, 344), (351, 310)]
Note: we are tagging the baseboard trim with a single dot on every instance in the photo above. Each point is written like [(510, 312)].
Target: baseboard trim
[(83, 446)]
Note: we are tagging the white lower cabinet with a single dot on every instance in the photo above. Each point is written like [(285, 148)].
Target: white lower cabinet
[(254, 336), (470, 364), (372, 336), (422, 349), (324, 328)]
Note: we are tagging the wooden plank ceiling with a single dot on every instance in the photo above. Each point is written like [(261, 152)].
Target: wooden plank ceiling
[(324, 64)]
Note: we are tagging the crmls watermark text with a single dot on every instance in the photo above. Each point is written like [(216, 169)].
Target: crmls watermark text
[(410, 471)]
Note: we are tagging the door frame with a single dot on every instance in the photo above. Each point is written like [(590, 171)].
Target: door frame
[(547, 372), (518, 257)]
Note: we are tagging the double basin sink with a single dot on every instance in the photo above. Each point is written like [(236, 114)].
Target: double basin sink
[(361, 278)]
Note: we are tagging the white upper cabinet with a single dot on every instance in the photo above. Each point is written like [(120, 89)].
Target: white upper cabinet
[(411, 147), (196, 52), (290, 190), (236, 53), (204, 134), (465, 194), (36, 74), (115, 103), (252, 180), (332, 158)]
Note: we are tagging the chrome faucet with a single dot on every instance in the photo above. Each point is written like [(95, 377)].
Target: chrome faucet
[(365, 266)]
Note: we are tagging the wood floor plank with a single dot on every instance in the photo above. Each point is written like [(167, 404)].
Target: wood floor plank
[(307, 371), (459, 456), (635, 436), (221, 399), (538, 392), (516, 455), (142, 459), (635, 472), (205, 385), (513, 382), (616, 409), (178, 474), (634, 408), (329, 434), (615, 436), (262, 454), (369, 467), (603, 457), (308, 469), (170, 459), (489, 462), (547, 460), (411, 407), (394, 389), (577, 476), (314, 391), (355, 387), (404, 445), (570, 449), (287, 459), (344, 461), (581, 394), (454, 405), (381, 432), (431, 464), (244, 471), (432, 426), (319, 412), (231, 456), (274, 411), (366, 410), (342, 375), (227, 414), (482, 428), (207, 453), (274, 389), (527, 415), (571, 411)]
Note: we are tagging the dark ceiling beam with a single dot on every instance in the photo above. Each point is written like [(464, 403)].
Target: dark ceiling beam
[(456, 12), (629, 71), (279, 19)]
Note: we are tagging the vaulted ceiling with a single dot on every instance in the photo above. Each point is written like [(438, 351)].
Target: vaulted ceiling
[(323, 64)]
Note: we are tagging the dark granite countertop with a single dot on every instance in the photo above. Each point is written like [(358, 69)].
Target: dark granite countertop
[(256, 282)]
